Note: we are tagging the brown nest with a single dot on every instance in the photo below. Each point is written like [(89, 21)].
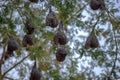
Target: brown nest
[(91, 42), (12, 46), (51, 19), (29, 27), (61, 54), (97, 4), (60, 38), (27, 40), (35, 74)]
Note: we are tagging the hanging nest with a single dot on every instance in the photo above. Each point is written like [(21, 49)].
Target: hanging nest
[(12, 46), (97, 4), (35, 74), (60, 37), (61, 54), (29, 27), (34, 1), (91, 42), (27, 40), (51, 19)]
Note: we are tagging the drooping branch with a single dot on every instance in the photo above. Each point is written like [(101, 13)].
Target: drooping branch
[(114, 63), (116, 44), (98, 18)]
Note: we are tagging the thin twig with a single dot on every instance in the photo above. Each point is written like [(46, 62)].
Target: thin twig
[(20, 15), (75, 14), (96, 23), (8, 78), (114, 64), (15, 65), (3, 55)]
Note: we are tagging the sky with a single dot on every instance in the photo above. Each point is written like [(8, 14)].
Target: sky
[(97, 70)]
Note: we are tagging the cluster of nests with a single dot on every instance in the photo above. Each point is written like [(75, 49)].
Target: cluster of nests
[(27, 40), (59, 38)]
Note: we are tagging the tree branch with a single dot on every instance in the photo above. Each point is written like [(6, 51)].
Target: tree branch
[(8, 78), (96, 23), (116, 44), (114, 63), (15, 65), (2, 57)]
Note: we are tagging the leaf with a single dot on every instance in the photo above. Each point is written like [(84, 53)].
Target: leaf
[(105, 33)]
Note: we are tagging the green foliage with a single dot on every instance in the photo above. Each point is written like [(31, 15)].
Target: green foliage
[(73, 13)]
